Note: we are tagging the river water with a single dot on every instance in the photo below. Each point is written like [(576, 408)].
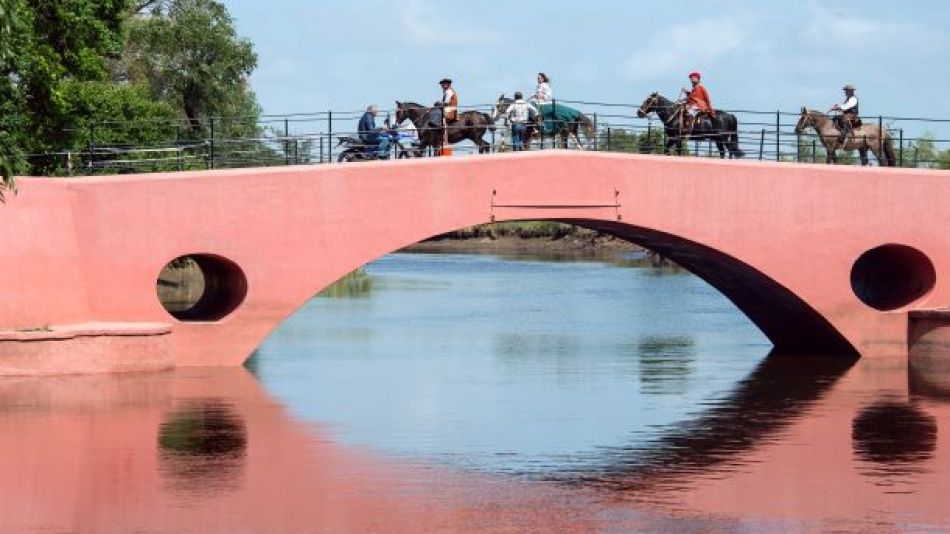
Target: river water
[(455, 392)]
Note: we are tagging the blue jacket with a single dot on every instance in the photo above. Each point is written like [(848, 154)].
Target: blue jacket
[(368, 131)]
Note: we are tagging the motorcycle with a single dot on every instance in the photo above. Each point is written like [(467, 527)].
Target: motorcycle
[(356, 150)]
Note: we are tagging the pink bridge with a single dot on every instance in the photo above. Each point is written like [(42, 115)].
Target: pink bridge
[(822, 259)]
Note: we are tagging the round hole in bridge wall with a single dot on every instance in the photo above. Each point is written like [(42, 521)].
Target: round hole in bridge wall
[(892, 276), (201, 287)]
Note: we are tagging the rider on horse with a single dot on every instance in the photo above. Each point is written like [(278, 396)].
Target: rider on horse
[(450, 101), (849, 113), (697, 102)]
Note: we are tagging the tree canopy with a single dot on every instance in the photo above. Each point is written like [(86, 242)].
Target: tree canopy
[(81, 74), (189, 55)]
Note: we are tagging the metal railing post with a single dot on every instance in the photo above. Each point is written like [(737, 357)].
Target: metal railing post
[(211, 161), (778, 135), (321, 148), (92, 145), (762, 145), (608, 139), (596, 135), (554, 123), (901, 157), (814, 150), (880, 137), (286, 141), (798, 148), (329, 136)]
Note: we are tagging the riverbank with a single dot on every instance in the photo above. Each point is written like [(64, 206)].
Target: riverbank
[(543, 238)]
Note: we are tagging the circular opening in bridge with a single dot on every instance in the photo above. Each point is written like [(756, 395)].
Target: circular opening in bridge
[(201, 287), (892, 276)]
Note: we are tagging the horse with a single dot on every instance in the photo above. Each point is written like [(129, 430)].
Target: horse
[(863, 138), (723, 129), (565, 129), (470, 125)]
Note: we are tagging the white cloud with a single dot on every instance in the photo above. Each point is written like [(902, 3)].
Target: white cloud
[(685, 46), (423, 25), (836, 29)]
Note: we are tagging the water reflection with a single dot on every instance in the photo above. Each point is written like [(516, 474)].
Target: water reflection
[(892, 438), (776, 394), (354, 285), (666, 363), (929, 378), (202, 445)]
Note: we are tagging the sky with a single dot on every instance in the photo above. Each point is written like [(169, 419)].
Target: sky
[(762, 55)]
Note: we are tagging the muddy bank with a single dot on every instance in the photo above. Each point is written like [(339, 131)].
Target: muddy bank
[(509, 244)]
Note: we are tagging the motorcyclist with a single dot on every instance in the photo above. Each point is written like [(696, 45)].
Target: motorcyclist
[(372, 137)]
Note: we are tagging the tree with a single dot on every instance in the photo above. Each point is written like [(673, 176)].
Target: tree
[(6, 141), (923, 152), (189, 54)]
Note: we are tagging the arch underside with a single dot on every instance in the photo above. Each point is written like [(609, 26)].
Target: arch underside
[(789, 322)]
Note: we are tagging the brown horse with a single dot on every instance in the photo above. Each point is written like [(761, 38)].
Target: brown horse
[(863, 138), (471, 125)]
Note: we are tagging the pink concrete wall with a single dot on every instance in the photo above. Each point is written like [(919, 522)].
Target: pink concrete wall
[(295, 230)]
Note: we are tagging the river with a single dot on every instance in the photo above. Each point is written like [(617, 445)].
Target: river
[(466, 392)]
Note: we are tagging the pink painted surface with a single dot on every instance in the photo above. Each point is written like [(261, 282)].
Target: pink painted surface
[(779, 240), (86, 348)]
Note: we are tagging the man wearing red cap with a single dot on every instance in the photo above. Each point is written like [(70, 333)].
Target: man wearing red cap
[(697, 100)]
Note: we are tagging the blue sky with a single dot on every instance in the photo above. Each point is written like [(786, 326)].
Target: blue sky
[(330, 54)]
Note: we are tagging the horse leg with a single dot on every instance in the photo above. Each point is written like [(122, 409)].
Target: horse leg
[(863, 151), (722, 148)]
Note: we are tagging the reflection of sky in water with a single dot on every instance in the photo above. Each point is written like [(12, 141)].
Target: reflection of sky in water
[(510, 365)]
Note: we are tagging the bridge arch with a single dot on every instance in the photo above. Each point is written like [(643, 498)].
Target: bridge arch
[(790, 323)]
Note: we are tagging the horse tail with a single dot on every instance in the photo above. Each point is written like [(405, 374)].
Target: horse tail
[(588, 125), (488, 121), (732, 136), (889, 151)]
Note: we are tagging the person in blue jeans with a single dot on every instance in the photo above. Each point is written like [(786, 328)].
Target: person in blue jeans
[(519, 113), (371, 136)]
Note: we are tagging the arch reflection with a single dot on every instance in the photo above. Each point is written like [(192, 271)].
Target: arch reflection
[(893, 438), (775, 395), (202, 446)]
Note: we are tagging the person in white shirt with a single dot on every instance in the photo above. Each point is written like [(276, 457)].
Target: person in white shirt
[(519, 114), (849, 113), (543, 94)]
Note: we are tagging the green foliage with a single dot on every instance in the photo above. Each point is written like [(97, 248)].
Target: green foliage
[(6, 139), (189, 54), (622, 140), (923, 152)]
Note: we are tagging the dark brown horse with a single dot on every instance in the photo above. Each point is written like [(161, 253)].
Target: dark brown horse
[(722, 130), (471, 125)]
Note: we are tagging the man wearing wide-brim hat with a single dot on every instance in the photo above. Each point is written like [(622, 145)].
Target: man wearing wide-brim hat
[(450, 100), (849, 113)]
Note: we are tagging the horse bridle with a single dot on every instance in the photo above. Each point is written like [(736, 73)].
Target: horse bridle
[(650, 103), (807, 120)]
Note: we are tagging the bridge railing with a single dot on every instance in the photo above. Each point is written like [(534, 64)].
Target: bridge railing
[(314, 138)]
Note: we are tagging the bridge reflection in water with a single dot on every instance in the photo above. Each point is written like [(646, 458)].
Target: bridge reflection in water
[(137, 452)]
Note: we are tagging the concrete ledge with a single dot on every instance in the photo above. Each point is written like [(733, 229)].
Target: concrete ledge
[(86, 330), (935, 313), (86, 348)]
